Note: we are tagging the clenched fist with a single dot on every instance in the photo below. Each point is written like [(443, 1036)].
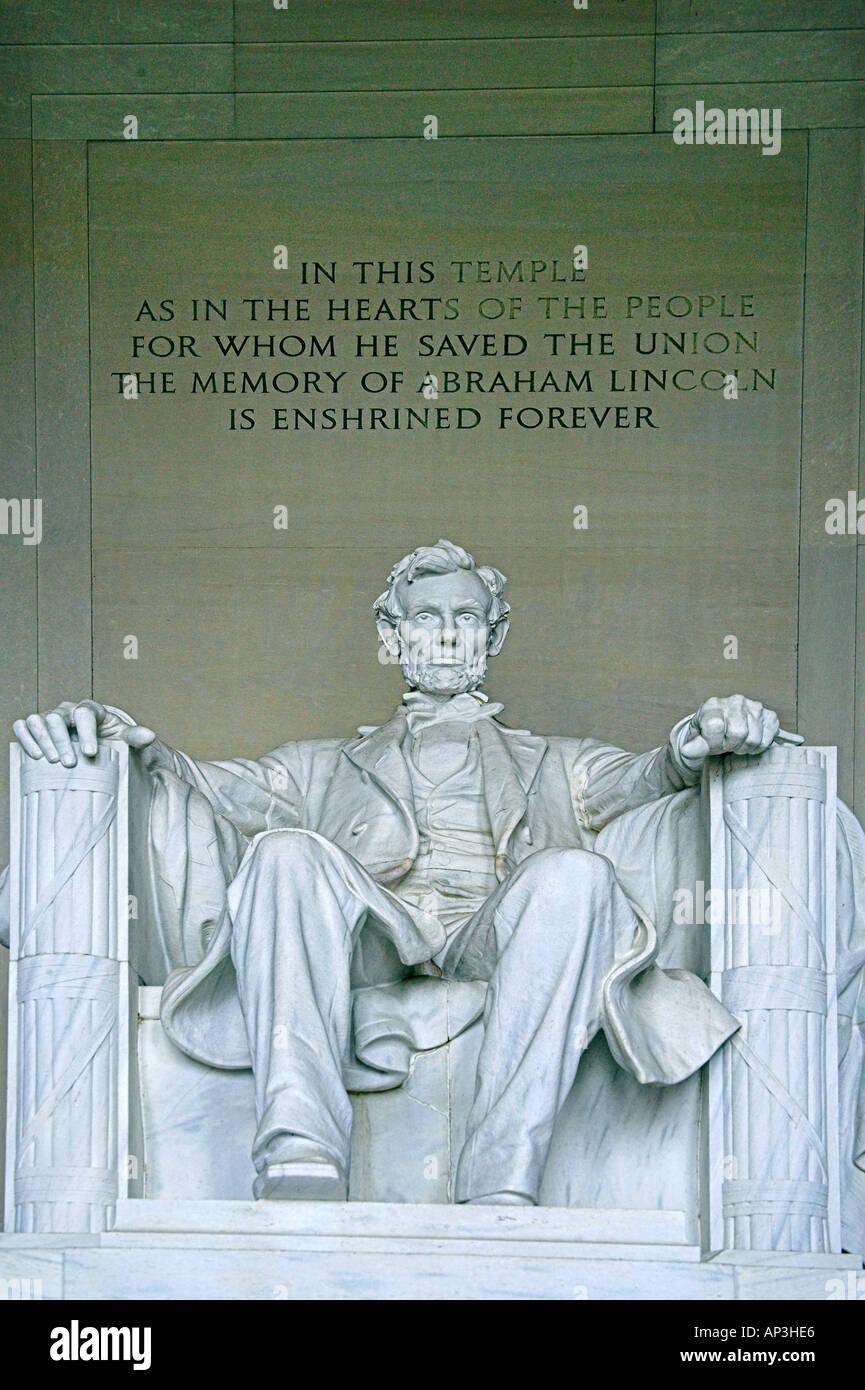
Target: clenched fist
[(730, 724), (48, 735)]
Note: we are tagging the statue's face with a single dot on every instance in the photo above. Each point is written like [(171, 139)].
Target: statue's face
[(445, 633)]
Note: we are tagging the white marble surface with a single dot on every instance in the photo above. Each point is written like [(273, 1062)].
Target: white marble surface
[(381, 1275), (400, 1221), (279, 1251), (198, 1123), (69, 993), (773, 1121)]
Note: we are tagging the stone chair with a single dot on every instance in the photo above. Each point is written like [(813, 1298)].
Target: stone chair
[(128, 1168)]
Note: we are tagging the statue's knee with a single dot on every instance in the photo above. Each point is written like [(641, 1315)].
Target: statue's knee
[(281, 847), (573, 870)]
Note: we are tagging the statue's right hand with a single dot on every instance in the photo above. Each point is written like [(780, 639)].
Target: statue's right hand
[(48, 735)]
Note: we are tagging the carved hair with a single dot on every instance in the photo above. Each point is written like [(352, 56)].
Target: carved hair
[(442, 558)]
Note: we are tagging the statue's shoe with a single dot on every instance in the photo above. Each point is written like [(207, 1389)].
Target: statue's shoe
[(304, 1173), (300, 1182), (501, 1199)]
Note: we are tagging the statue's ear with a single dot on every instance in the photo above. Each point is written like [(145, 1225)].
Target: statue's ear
[(498, 634), (388, 635)]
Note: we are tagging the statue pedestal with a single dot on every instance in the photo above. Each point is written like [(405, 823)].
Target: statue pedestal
[(386, 1251)]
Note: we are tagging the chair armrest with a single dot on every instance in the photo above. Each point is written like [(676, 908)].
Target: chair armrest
[(772, 1159), (69, 992)]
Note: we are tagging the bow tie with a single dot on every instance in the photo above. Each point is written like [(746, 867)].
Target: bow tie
[(422, 710)]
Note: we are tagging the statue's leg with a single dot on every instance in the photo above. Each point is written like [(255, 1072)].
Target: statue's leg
[(546, 940), (297, 906)]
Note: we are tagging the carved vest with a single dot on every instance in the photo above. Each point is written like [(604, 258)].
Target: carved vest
[(455, 870)]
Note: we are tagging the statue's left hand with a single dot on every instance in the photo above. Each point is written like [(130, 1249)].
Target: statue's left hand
[(729, 724)]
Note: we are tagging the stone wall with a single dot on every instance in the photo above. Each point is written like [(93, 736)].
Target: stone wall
[(247, 635)]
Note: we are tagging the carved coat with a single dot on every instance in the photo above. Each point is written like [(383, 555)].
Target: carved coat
[(541, 793)]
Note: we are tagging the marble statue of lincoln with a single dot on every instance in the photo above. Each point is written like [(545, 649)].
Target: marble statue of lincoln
[(334, 891)]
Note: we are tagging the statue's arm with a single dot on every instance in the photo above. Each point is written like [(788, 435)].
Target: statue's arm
[(254, 795), (607, 781)]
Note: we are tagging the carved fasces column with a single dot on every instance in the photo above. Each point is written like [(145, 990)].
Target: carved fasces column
[(772, 1161), (69, 992)]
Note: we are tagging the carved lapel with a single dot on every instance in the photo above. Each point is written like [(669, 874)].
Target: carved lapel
[(380, 756), (510, 763)]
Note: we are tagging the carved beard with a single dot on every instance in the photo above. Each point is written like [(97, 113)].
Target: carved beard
[(444, 680), (455, 678)]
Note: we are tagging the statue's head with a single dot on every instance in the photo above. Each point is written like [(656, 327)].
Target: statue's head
[(442, 616)]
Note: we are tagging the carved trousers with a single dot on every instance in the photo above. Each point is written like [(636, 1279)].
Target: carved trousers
[(545, 940)]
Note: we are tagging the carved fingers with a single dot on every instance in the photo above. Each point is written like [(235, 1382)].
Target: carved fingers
[(49, 735), (46, 736), (87, 717), (29, 742), (734, 724), (58, 730)]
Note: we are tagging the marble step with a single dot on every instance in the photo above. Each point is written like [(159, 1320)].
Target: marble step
[(400, 1220)]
